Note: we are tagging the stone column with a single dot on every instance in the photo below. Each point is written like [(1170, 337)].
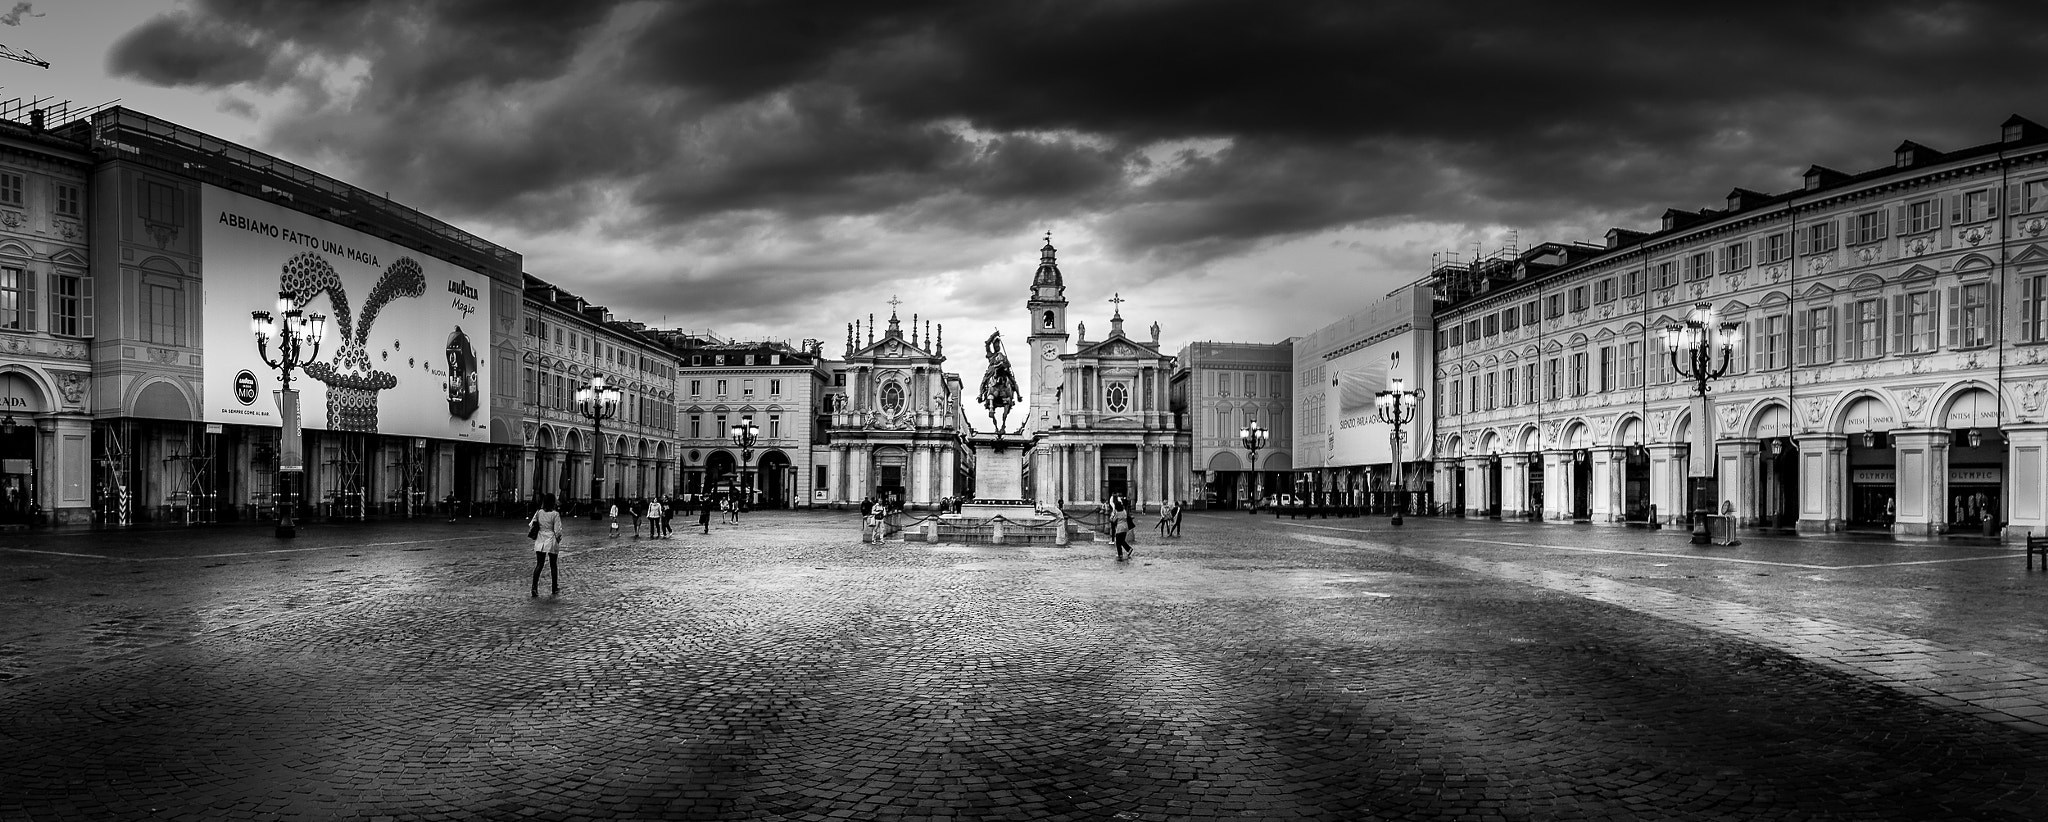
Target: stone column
[(857, 471), (1139, 475), (1091, 462), (1668, 481), (2026, 478), (842, 474), (949, 466), (1823, 482), (1923, 503), (920, 475)]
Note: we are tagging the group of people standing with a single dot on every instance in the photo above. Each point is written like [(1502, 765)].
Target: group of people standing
[(545, 526)]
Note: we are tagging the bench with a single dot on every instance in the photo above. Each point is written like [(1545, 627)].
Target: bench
[(2037, 545)]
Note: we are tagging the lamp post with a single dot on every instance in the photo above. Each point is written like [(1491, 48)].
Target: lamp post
[(1693, 346), (1253, 436), (598, 402), (744, 433), (297, 336), (1396, 406)]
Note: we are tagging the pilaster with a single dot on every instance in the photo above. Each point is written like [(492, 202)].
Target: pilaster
[(1668, 480), (1610, 471), (1476, 502), (1735, 476), (1922, 476), (1557, 484), (2026, 484), (1823, 481)]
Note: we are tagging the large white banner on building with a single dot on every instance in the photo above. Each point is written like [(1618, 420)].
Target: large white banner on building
[(404, 330), (1356, 436)]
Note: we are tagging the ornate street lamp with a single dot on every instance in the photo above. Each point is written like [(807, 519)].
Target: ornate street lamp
[(744, 433), (1253, 436), (1396, 406), (598, 402), (1693, 346), (296, 335)]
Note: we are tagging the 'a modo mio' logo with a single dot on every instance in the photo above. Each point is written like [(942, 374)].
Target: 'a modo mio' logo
[(245, 387)]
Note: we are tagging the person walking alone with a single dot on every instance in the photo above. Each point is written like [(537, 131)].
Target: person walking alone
[(1120, 525), (547, 541), (704, 513)]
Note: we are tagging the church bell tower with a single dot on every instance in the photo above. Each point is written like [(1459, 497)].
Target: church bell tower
[(1047, 308)]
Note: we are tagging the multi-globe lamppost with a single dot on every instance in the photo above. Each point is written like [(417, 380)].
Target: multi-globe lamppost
[(598, 402), (296, 335), (1692, 346), (1396, 406), (744, 433), (1253, 436)]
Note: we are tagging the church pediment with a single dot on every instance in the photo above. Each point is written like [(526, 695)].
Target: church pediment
[(896, 348), (1116, 348)]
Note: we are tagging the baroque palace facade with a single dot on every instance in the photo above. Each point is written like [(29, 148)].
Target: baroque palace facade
[(1888, 373), (133, 251)]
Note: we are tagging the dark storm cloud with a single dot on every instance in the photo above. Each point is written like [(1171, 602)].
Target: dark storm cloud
[(183, 50), (1327, 114)]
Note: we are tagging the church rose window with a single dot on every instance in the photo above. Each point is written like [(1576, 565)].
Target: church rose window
[(892, 397), (1119, 397)]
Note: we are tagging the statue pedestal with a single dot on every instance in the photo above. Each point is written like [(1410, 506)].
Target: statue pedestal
[(998, 468)]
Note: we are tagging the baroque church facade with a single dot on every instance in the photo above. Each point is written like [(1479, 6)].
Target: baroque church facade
[(897, 431), (1100, 421)]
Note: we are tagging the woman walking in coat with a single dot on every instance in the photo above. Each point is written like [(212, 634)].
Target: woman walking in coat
[(546, 543)]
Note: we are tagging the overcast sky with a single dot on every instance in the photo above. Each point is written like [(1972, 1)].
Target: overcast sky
[(1239, 171)]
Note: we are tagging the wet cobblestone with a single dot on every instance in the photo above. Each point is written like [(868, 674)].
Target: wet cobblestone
[(783, 670)]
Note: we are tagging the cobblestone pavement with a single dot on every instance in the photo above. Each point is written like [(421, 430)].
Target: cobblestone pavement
[(1252, 669)]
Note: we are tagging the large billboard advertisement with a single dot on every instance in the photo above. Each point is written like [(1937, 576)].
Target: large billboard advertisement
[(1356, 436), (405, 333)]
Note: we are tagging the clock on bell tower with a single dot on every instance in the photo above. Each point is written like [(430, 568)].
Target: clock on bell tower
[(1047, 310)]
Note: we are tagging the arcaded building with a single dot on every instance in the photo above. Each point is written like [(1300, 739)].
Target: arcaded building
[(1888, 371)]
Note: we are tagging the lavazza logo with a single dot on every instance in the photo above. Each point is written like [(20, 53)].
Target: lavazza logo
[(245, 387)]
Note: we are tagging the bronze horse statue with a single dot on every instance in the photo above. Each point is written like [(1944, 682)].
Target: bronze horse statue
[(998, 386)]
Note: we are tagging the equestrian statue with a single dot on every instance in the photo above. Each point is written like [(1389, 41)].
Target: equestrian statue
[(998, 385)]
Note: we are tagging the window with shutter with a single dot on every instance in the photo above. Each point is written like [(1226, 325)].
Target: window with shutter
[(2030, 307), (2034, 196), (10, 298), (1899, 323), (1802, 338), (1955, 318), (1824, 334)]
